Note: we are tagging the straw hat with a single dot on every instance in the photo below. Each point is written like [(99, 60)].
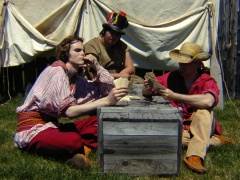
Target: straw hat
[(117, 22), (189, 52)]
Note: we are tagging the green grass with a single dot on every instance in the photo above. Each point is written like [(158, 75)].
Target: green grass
[(221, 163)]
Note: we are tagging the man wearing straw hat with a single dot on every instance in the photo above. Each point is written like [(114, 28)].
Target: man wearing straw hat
[(196, 92)]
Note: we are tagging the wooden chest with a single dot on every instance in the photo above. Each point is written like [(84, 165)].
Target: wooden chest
[(140, 140)]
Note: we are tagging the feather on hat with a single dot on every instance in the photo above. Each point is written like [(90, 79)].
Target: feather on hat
[(116, 22)]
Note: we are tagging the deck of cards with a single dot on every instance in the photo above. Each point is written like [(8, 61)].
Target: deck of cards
[(123, 82), (151, 76)]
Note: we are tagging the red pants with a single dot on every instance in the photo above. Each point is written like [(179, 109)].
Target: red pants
[(67, 140)]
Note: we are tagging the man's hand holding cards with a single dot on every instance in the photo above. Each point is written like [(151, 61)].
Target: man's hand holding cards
[(151, 76)]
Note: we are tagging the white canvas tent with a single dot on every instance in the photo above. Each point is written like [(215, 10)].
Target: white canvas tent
[(34, 28)]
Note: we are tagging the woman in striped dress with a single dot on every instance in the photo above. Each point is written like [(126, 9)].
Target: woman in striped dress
[(60, 92)]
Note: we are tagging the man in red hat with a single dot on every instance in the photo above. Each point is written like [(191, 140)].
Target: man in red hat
[(112, 53), (196, 92)]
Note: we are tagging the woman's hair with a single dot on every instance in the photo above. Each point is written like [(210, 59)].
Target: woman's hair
[(62, 50)]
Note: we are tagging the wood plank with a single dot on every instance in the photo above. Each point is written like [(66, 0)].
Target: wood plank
[(141, 117), (141, 166), (100, 139), (157, 110), (140, 144), (160, 156), (140, 128), (138, 116)]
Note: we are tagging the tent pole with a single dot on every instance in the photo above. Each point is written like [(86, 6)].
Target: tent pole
[(2, 20), (215, 69)]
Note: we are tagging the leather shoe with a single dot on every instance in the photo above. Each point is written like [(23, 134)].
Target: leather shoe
[(79, 161), (195, 163), (87, 151), (224, 139)]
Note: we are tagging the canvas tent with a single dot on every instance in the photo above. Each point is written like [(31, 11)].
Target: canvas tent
[(33, 28)]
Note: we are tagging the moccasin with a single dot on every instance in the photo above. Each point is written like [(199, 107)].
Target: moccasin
[(195, 163), (224, 139), (87, 151), (79, 161)]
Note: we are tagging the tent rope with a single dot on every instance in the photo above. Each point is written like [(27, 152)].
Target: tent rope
[(225, 84), (211, 13)]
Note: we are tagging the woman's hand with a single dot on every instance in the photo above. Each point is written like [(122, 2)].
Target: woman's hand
[(91, 62), (116, 94)]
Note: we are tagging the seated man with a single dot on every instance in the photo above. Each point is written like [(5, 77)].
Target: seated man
[(196, 92), (111, 52)]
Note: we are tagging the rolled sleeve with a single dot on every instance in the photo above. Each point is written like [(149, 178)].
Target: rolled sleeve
[(214, 94)]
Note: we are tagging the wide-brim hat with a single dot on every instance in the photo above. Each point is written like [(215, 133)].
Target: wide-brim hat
[(116, 22), (188, 53)]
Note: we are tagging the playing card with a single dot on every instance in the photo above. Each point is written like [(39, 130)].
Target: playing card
[(123, 82), (151, 76)]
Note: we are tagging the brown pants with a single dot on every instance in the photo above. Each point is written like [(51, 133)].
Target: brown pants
[(199, 138)]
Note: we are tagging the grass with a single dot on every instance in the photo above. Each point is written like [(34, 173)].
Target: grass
[(222, 162)]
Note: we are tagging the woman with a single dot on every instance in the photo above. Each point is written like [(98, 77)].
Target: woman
[(112, 53), (60, 92)]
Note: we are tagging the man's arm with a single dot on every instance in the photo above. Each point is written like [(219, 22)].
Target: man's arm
[(128, 70), (199, 100)]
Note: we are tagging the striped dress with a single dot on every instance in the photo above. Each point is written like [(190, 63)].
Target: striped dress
[(52, 94)]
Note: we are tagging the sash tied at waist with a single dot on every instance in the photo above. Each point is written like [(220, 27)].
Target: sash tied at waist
[(27, 120)]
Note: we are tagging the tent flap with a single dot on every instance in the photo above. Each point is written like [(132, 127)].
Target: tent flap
[(34, 27)]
